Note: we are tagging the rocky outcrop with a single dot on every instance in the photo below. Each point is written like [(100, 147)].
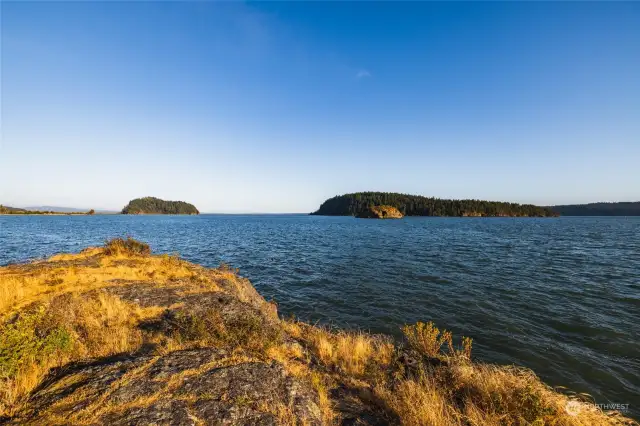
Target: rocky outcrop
[(198, 357), (188, 387), (380, 212)]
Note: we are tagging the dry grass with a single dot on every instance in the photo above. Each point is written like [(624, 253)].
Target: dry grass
[(418, 402), (58, 311), (296, 361), (452, 391), (68, 328), (426, 338), (54, 312), (128, 247), (485, 395), (456, 391), (284, 414), (429, 340), (350, 352), (42, 280), (246, 330)]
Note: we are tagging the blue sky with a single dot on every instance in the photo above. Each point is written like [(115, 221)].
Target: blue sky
[(273, 107)]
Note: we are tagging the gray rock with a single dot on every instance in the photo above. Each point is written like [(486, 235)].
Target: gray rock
[(189, 387)]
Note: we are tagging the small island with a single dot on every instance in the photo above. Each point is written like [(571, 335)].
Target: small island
[(152, 205), (379, 212), (358, 204)]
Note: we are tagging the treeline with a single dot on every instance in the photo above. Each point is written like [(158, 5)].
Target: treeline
[(15, 210), (599, 209), (152, 205), (11, 210), (416, 205)]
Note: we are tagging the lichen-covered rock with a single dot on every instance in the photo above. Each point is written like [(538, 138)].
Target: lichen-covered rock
[(187, 387), (380, 212)]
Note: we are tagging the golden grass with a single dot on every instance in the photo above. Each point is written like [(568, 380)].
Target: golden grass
[(426, 338), (57, 311), (84, 254), (45, 279), (350, 352), (128, 247), (87, 326), (296, 362), (283, 413), (429, 340), (453, 391), (418, 402), (53, 312), (486, 395)]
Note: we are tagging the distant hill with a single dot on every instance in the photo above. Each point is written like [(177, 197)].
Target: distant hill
[(152, 205), (8, 210), (417, 205), (18, 211), (599, 209), (68, 210), (56, 209)]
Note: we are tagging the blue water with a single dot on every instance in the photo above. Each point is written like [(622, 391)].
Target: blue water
[(560, 296)]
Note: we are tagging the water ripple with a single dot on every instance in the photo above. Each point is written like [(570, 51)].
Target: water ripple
[(560, 296)]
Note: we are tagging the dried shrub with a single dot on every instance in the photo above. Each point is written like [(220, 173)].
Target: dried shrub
[(127, 247), (209, 328), (427, 338)]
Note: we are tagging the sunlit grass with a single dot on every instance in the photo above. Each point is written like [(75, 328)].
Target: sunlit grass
[(48, 278)]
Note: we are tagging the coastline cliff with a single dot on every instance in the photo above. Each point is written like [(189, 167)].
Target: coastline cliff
[(379, 212), (117, 335)]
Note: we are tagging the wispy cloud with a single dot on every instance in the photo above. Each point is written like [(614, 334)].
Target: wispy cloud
[(362, 74)]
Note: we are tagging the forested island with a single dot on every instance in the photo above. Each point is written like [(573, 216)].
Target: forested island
[(417, 205), (152, 205), (599, 209)]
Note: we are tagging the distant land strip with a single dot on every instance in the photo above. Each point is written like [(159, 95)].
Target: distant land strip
[(357, 204), (4, 210), (630, 208)]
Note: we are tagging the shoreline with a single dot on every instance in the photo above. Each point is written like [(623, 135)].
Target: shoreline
[(202, 322)]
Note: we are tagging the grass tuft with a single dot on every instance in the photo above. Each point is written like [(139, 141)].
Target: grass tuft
[(209, 328), (350, 352), (429, 340), (29, 339), (127, 247)]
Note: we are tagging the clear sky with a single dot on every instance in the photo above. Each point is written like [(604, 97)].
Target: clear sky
[(273, 107)]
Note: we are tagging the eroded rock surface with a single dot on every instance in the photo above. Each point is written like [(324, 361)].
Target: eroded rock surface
[(187, 387), (380, 212)]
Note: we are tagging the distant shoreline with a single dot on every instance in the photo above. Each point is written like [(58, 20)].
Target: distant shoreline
[(49, 214), (307, 214)]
